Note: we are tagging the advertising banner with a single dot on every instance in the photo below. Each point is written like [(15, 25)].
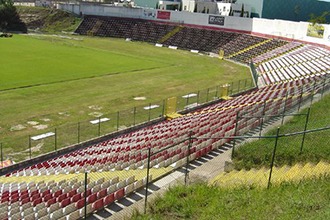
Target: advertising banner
[(217, 20), (149, 13), (315, 30), (166, 15)]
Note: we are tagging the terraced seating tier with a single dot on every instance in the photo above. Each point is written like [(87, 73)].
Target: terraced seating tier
[(135, 29), (303, 62)]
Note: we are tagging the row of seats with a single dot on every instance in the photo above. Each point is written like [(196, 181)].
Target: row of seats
[(200, 39), (64, 198), (204, 40), (300, 63), (135, 29), (276, 52), (247, 55), (241, 42)]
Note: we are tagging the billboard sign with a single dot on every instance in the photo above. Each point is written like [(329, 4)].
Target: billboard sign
[(217, 20), (149, 13), (165, 15), (315, 30)]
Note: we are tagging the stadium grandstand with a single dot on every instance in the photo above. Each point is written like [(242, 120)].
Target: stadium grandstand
[(287, 66)]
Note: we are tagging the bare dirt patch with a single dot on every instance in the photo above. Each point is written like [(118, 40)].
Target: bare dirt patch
[(95, 107), (40, 127), (96, 114), (18, 127), (33, 123)]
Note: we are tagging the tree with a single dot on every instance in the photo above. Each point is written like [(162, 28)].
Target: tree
[(322, 19), (9, 18), (242, 11), (231, 13)]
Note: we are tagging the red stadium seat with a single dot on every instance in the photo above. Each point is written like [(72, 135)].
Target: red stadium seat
[(109, 199), (97, 205), (76, 197), (119, 194)]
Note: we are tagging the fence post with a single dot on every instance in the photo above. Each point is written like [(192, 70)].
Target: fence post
[(30, 146), (134, 115), (207, 95), (1, 155), (187, 100), (284, 108), (217, 92), (78, 132), (188, 154), (262, 118), (99, 127), (147, 183), (118, 121), (163, 111), (238, 88), (235, 133), (198, 97), (323, 87), (85, 196), (300, 97), (273, 158), (55, 139), (149, 112), (312, 93), (305, 128)]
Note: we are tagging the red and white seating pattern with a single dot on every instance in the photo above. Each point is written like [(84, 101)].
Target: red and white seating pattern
[(276, 52), (301, 63), (62, 200)]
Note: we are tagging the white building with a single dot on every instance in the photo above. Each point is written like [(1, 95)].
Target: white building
[(188, 5), (225, 8), (169, 5), (234, 9)]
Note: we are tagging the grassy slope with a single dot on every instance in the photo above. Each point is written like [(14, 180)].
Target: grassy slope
[(47, 19), (45, 61), (307, 200), (316, 146)]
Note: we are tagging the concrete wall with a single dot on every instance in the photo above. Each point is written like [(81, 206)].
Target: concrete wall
[(264, 27), (289, 30)]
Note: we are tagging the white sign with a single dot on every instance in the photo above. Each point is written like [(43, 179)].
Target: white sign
[(150, 107), (42, 136), (189, 95), (99, 120)]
